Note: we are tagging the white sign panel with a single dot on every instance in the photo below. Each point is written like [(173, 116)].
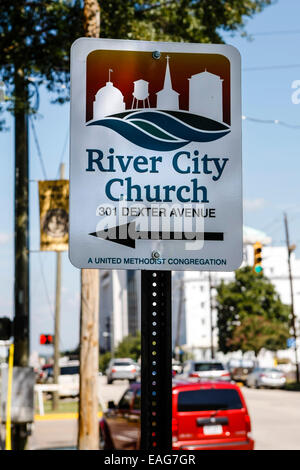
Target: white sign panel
[(155, 157)]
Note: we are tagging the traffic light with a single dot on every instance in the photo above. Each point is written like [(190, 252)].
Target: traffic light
[(5, 328), (46, 339), (257, 267)]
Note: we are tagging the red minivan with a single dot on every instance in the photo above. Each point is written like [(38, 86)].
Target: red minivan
[(205, 416)]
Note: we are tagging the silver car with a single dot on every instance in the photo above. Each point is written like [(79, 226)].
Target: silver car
[(207, 370), (122, 369), (266, 377)]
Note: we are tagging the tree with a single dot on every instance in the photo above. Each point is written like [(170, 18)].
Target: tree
[(129, 347), (176, 20), (251, 315), (36, 35), (35, 40)]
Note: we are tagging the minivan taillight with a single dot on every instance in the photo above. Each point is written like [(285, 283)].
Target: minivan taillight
[(193, 374), (248, 423), (133, 370), (226, 374), (113, 370), (174, 430)]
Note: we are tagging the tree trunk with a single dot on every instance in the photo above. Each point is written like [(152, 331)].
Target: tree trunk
[(91, 13), (88, 429)]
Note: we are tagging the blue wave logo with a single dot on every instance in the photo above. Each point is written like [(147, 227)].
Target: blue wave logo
[(163, 130)]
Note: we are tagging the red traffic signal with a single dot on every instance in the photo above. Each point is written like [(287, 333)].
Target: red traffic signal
[(46, 339)]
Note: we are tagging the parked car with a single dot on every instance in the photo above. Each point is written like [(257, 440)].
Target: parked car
[(208, 370), (205, 415), (266, 377), (176, 367), (122, 369), (68, 378), (240, 374)]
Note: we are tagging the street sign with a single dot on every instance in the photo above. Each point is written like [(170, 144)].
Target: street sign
[(290, 342), (54, 217), (155, 156)]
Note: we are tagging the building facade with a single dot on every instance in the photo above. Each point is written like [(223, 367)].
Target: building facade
[(206, 95)]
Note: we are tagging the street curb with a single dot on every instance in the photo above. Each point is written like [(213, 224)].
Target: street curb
[(59, 416)]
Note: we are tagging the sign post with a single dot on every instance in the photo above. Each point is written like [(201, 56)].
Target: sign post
[(155, 180), (156, 371)]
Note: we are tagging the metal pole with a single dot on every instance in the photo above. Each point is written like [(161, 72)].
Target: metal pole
[(179, 316), (56, 369), (8, 400), (290, 249), (21, 285), (156, 370), (212, 351)]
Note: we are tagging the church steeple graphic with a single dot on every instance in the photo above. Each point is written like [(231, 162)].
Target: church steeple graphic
[(167, 98), (168, 82)]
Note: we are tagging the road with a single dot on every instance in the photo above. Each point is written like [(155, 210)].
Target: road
[(275, 418)]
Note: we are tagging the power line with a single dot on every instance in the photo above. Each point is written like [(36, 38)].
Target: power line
[(51, 308), (275, 33), (270, 67), (271, 121), (38, 148), (270, 33), (61, 160)]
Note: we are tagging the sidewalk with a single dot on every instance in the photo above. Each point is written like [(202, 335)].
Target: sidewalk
[(55, 431)]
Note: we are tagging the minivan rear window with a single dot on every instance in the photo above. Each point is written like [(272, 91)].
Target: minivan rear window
[(209, 399), (204, 366), (69, 370), (118, 364)]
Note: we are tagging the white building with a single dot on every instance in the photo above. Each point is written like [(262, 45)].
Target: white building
[(113, 308), (206, 95), (167, 98), (119, 306), (108, 100)]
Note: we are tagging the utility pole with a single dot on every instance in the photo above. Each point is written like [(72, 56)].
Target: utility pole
[(212, 351), (290, 248), (56, 368), (88, 430), (21, 284), (179, 317)]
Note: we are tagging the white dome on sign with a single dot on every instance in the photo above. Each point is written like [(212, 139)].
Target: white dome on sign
[(108, 100)]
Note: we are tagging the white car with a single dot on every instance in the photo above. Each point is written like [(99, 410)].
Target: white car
[(122, 369), (68, 379), (206, 370), (266, 377)]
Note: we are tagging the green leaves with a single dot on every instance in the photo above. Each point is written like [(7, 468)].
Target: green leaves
[(251, 315), (36, 35)]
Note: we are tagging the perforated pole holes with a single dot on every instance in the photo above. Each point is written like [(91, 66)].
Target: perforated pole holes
[(156, 430)]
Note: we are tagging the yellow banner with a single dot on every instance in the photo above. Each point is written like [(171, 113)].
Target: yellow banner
[(54, 215)]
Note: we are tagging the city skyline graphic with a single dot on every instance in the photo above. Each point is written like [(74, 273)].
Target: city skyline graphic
[(159, 104)]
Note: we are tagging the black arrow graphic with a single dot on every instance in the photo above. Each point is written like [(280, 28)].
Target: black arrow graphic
[(127, 235)]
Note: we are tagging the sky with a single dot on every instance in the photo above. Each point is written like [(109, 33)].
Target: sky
[(271, 167)]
